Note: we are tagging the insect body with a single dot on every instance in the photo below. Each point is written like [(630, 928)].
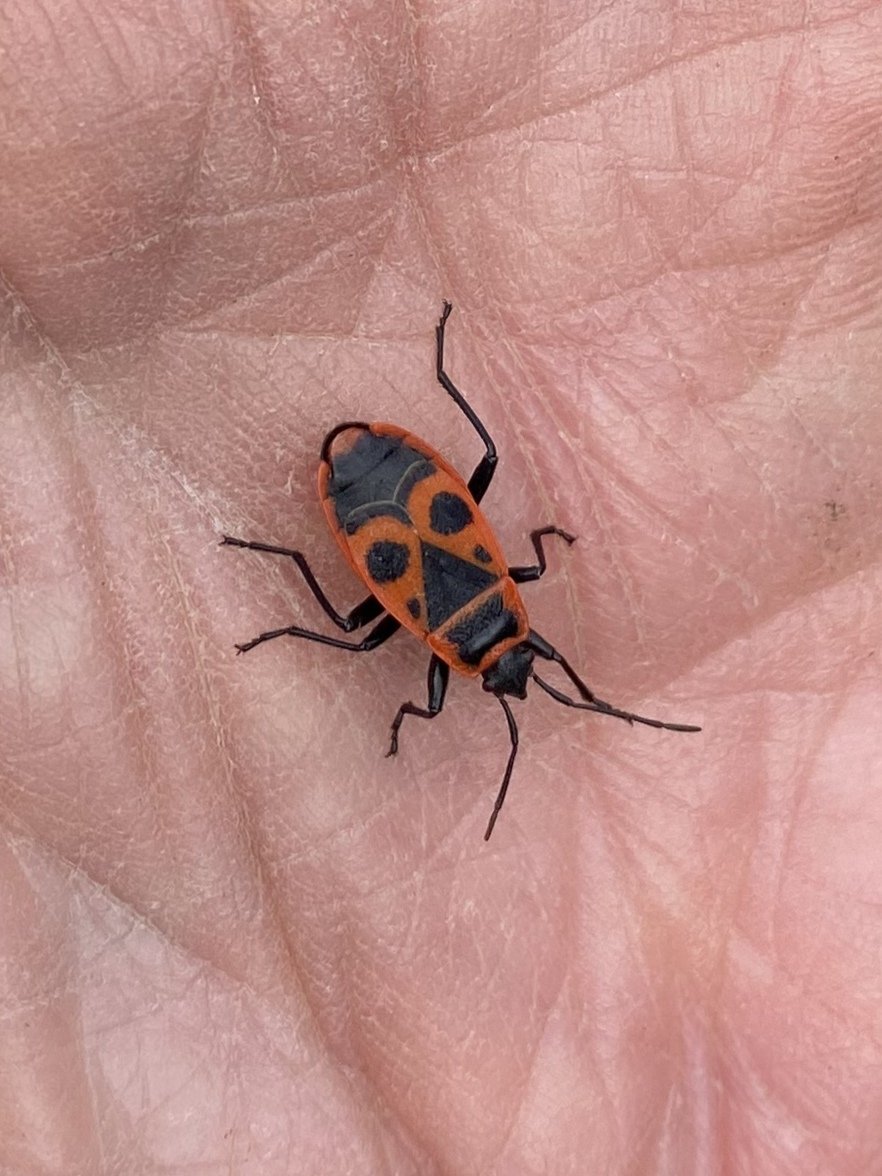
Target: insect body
[(413, 531), (410, 528)]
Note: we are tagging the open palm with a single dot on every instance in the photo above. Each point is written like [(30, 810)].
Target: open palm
[(233, 936)]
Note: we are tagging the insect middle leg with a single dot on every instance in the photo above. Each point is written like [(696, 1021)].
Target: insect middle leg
[(486, 467), (437, 679), (523, 574), (366, 611)]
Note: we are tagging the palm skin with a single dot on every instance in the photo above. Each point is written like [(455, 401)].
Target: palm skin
[(232, 933)]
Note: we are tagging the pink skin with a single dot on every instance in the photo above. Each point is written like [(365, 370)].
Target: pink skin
[(234, 938)]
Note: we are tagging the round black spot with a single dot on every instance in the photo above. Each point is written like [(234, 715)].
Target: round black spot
[(413, 607), (483, 554), (448, 513), (387, 561)]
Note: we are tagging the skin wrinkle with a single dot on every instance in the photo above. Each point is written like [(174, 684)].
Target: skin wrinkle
[(702, 1089), (32, 327), (148, 770), (306, 851), (310, 201), (114, 61), (143, 768), (602, 533), (683, 144), (672, 64), (750, 363), (797, 986), (538, 480), (848, 314), (177, 227), (779, 904), (629, 489), (304, 269), (788, 87), (373, 70), (720, 970), (775, 140), (525, 1079), (767, 1105), (808, 590), (140, 918), (258, 71), (19, 645), (799, 793), (677, 1086), (439, 866), (520, 842), (65, 449), (189, 186), (731, 929), (307, 266), (867, 299), (19, 303), (715, 268), (791, 411), (645, 225)]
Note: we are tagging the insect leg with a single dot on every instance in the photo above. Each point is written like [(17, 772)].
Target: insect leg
[(486, 467), (521, 575), (363, 613), (380, 633), (513, 735), (591, 702), (438, 676)]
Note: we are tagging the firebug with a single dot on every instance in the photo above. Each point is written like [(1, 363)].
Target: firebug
[(414, 533)]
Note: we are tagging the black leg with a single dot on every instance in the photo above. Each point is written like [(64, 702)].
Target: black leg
[(439, 674), (521, 575), (485, 469), (546, 649), (591, 701), (380, 633), (513, 735), (365, 612)]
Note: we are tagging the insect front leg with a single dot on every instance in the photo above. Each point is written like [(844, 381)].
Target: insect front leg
[(366, 611), (522, 575), (438, 677), (486, 468)]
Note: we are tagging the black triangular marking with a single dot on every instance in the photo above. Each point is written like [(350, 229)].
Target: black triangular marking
[(450, 583)]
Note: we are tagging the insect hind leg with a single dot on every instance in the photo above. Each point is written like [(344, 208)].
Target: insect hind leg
[(486, 467), (364, 612), (380, 633)]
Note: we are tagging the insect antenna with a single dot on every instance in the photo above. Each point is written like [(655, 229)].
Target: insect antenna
[(513, 735), (604, 708)]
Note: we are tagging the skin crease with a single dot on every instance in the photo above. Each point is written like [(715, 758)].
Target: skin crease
[(233, 937)]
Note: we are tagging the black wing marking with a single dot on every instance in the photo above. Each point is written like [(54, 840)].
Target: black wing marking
[(450, 583), (375, 477)]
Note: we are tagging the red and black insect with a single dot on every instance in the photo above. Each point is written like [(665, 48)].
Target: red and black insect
[(412, 529)]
